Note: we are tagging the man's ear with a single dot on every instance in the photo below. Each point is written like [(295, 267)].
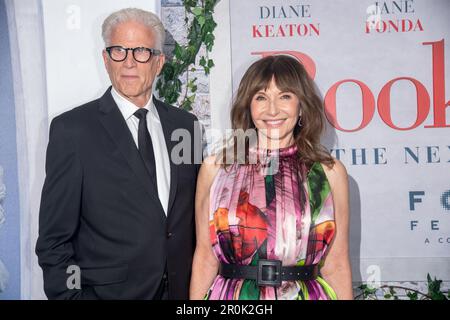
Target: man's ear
[(161, 61), (105, 58)]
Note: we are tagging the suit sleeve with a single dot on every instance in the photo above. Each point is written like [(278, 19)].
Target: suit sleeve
[(60, 213)]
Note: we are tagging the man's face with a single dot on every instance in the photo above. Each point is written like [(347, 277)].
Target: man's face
[(130, 78)]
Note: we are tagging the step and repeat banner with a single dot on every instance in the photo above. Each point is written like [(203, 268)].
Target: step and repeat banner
[(380, 66), (382, 69)]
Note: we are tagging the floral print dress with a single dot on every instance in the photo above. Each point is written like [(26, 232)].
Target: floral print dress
[(285, 213)]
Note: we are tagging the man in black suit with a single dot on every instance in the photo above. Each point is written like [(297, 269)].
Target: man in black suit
[(117, 205)]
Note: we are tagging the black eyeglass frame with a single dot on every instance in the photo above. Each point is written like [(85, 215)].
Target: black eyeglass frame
[(153, 52)]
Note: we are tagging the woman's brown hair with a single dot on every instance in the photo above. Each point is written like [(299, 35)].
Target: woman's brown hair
[(289, 76)]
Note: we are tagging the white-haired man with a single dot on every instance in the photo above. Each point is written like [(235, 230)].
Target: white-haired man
[(115, 206)]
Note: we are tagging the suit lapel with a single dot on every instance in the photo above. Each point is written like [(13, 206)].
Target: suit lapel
[(168, 127), (114, 123)]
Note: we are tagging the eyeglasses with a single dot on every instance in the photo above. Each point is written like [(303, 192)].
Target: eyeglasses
[(140, 54)]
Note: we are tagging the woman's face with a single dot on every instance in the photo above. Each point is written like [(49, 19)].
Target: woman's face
[(275, 115)]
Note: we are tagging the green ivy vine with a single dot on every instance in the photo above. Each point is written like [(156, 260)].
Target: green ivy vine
[(390, 292), (201, 25)]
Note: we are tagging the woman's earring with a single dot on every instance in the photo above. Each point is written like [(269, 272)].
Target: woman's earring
[(299, 121)]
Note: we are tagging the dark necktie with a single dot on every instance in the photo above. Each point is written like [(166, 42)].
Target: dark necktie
[(145, 144)]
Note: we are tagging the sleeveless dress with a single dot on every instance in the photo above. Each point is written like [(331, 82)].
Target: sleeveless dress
[(277, 209)]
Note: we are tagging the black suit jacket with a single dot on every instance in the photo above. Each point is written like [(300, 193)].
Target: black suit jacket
[(100, 212)]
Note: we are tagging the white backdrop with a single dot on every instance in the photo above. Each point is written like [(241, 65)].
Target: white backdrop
[(57, 65), (73, 46), (400, 213)]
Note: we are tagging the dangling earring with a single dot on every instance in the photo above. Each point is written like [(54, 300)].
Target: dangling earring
[(299, 122)]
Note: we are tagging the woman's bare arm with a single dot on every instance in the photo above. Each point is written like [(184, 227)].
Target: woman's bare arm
[(336, 270), (205, 264)]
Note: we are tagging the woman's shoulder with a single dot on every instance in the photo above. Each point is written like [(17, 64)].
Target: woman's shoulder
[(209, 169), (336, 173), (337, 168), (211, 162)]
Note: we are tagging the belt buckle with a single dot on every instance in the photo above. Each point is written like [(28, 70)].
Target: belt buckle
[(270, 268)]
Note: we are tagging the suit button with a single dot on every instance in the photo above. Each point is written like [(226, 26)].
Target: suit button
[(169, 235)]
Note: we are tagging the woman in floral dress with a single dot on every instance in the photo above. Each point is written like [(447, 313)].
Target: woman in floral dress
[(272, 216)]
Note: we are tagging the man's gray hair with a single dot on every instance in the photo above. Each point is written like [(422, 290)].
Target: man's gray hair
[(146, 18)]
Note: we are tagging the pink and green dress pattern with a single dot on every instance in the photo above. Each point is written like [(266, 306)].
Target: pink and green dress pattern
[(285, 215)]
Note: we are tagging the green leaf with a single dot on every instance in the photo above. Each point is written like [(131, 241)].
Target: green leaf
[(197, 11), (168, 71), (434, 285), (203, 62), (210, 4), (178, 85), (189, 4), (192, 81), (210, 25), (192, 98), (178, 51), (372, 290), (186, 104), (210, 63), (412, 295), (387, 296), (191, 84), (369, 290), (201, 21), (209, 38)]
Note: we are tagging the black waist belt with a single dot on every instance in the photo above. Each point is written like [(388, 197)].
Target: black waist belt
[(269, 272)]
